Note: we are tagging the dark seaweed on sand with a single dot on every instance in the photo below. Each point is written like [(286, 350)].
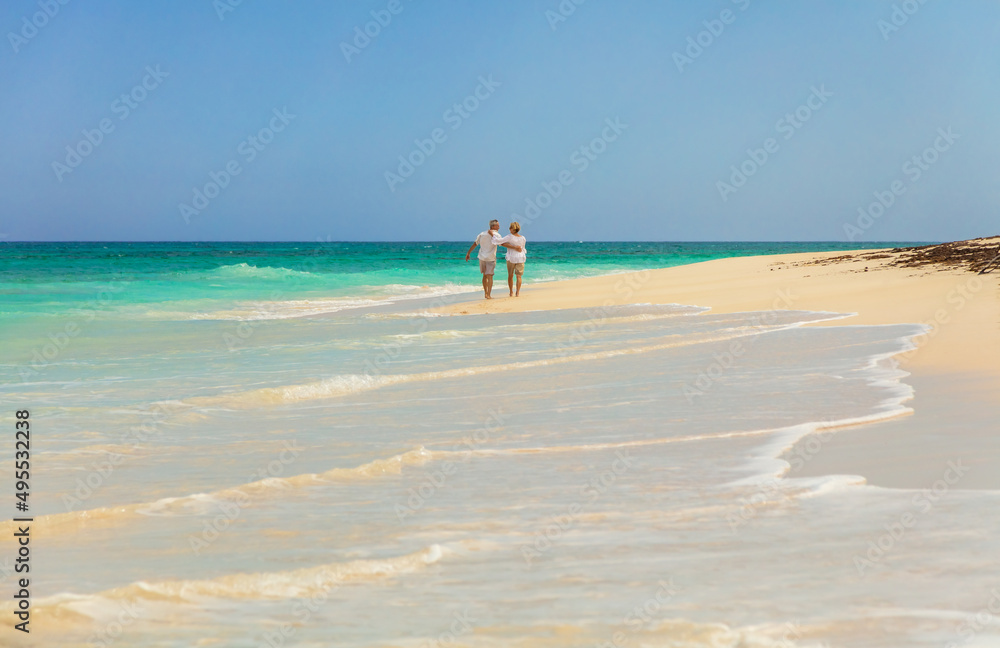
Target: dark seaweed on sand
[(979, 255)]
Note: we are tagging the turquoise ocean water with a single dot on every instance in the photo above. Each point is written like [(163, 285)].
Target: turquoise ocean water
[(50, 279), (264, 445)]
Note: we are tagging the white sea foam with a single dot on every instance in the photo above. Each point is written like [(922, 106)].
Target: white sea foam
[(547, 474), (242, 495), (280, 309), (298, 583), (249, 271)]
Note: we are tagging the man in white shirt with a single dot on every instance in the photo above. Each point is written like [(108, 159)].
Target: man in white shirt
[(487, 242)]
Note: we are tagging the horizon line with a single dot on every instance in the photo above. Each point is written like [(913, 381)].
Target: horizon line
[(96, 241)]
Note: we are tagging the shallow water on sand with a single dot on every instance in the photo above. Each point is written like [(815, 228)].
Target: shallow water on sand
[(381, 477)]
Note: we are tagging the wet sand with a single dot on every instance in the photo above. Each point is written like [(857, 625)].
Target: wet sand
[(955, 367)]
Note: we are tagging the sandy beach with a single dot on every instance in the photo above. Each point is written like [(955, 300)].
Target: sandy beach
[(955, 368), (543, 474), (264, 384)]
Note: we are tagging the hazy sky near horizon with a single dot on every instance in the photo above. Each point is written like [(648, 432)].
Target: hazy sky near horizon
[(631, 120)]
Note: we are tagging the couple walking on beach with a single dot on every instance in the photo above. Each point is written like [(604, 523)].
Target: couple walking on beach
[(488, 243)]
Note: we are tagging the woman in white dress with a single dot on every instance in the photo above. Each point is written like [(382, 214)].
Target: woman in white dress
[(517, 254)]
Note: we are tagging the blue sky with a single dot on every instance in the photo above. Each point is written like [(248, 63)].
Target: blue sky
[(553, 83)]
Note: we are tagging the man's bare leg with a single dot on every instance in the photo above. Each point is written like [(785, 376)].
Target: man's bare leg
[(486, 288), (489, 286)]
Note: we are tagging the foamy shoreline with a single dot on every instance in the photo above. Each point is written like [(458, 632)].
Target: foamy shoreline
[(961, 309)]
